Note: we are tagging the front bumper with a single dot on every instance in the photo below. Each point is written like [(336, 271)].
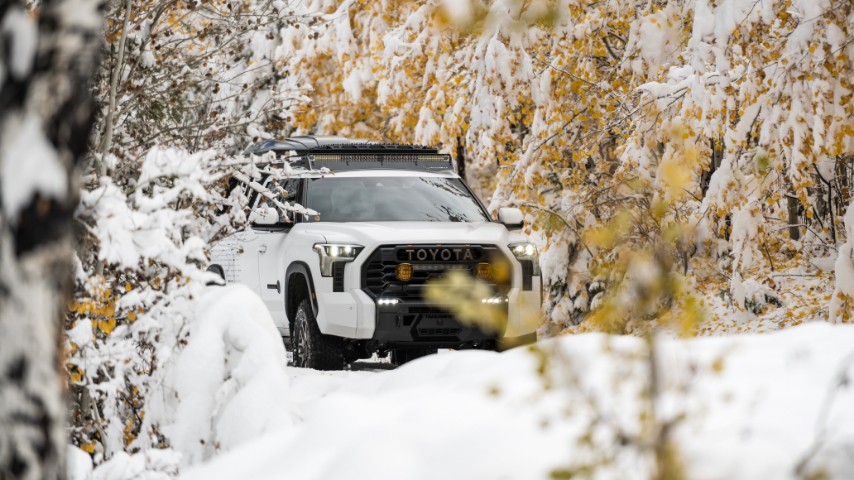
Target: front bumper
[(422, 324), (354, 314)]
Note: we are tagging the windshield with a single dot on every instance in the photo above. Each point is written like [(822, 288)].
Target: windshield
[(392, 199)]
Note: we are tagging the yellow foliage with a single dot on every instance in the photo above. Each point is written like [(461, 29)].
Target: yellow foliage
[(675, 176), (610, 234), (106, 325), (75, 373)]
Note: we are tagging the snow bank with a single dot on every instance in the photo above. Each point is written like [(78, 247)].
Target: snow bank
[(752, 404), (79, 464), (226, 387), (229, 384), (148, 465)]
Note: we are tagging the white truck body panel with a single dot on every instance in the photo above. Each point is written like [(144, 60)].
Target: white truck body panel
[(259, 257)]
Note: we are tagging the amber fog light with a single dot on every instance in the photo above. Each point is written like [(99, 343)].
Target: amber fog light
[(403, 272), (483, 271)]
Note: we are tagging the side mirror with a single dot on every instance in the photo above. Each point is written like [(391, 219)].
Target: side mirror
[(512, 218), (264, 216)]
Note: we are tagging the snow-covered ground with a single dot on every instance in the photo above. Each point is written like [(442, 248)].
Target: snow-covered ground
[(753, 407), (742, 407)]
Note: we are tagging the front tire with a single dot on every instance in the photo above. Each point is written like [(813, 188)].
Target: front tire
[(217, 270), (313, 349)]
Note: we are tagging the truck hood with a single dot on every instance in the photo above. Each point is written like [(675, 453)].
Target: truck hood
[(411, 233)]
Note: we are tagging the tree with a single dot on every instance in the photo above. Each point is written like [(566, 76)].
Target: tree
[(191, 74), (571, 109), (46, 113), (204, 78)]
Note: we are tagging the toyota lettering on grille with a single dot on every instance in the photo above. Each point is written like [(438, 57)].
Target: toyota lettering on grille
[(438, 254)]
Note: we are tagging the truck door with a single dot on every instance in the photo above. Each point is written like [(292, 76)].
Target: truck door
[(271, 255)]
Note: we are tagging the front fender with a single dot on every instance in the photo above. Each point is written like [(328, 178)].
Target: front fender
[(299, 268)]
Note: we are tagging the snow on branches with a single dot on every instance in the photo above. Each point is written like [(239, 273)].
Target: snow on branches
[(568, 109), (138, 287), (193, 74)]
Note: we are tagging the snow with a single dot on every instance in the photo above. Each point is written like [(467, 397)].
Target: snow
[(142, 225), (147, 59), (228, 385), (458, 11), (753, 406), (216, 378), (149, 465), (79, 464), (81, 333), (81, 14), (659, 36), (30, 165), (21, 29)]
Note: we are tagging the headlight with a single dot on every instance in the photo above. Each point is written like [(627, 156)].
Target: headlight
[(331, 253), (524, 251), (527, 253)]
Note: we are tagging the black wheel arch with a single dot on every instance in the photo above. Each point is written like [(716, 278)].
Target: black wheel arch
[(298, 285), (217, 269)]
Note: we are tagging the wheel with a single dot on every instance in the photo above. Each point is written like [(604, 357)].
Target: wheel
[(217, 270), (313, 349), (399, 356)]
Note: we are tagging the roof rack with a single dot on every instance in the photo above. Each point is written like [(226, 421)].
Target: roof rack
[(299, 144), (340, 154)]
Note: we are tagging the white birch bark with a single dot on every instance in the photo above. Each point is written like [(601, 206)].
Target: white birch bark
[(45, 117)]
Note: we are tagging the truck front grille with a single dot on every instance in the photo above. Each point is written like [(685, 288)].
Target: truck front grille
[(429, 263)]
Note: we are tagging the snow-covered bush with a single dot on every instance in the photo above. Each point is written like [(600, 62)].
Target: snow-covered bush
[(228, 386), (198, 77), (137, 297), (136, 289)]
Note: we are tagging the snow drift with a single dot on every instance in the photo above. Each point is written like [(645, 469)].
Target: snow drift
[(751, 406), (228, 385)]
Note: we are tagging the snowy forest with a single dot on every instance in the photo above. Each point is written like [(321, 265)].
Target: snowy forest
[(685, 169)]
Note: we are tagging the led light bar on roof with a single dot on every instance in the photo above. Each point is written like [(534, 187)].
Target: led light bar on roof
[(391, 160), (349, 157), (341, 154)]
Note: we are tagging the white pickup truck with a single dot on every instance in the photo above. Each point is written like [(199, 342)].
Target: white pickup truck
[(345, 278)]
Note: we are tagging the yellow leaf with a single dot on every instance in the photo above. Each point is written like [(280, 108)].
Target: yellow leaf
[(675, 176), (107, 325), (75, 373)]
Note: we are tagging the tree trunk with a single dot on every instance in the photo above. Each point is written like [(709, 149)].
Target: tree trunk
[(793, 207), (45, 117), (717, 155), (461, 157), (110, 118)]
